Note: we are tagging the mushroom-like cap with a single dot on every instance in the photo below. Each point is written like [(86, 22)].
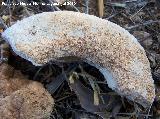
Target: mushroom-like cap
[(30, 102), (52, 35), (21, 98)]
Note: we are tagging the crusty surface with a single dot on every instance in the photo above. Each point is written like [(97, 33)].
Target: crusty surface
[(48, 36), (11, 80), (21, 98)]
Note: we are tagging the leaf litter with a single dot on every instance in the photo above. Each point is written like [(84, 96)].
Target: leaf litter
[(79, 89)]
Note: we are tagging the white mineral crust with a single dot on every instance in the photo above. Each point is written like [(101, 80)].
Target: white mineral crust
[(51, 35)]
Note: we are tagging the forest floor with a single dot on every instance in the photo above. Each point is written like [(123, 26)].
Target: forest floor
[(140, 17)]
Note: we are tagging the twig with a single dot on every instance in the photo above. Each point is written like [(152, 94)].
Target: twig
[(148, 111), (4, 10), (138, 11), (75, 8), (129, 114), (124, 15), (65, 97), (2, 22), (54, 8), (87, 6), (143, 24), (112, 16), (128, 1), (101, 8), (1, 56), (1, 45), (9, 9)]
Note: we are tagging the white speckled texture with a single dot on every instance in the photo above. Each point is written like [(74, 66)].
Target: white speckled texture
[(51, 35)]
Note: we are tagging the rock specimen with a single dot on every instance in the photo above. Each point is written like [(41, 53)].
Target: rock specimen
[(21, 98), (112, 49)]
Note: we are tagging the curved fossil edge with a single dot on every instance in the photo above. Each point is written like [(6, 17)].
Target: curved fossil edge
[(50, 35)]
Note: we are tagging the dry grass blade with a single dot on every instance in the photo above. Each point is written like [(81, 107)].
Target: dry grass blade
[(96, 92), (56, 82), (54, 8), (143, 24), (93, 84), (86, 97), (87, 6)]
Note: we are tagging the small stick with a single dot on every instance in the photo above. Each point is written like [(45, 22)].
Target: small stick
[(143, 24), (54, 8), (71, 6), (2, 22), (101, 8), (138, 11), (1, 58), (4, 47), (111, 16), (9, 10), (74, 7), (87, 6)]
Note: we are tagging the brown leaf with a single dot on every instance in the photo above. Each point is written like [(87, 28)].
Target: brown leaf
[(56, 82), (86, 97)]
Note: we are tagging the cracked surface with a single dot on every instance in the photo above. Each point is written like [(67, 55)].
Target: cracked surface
[(49, 36)]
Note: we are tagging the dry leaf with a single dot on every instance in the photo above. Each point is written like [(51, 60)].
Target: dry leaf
[(1, 30), (86, 97), (144, 38)]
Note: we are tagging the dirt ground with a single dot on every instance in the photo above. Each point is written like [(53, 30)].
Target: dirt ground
[(140, 17)]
